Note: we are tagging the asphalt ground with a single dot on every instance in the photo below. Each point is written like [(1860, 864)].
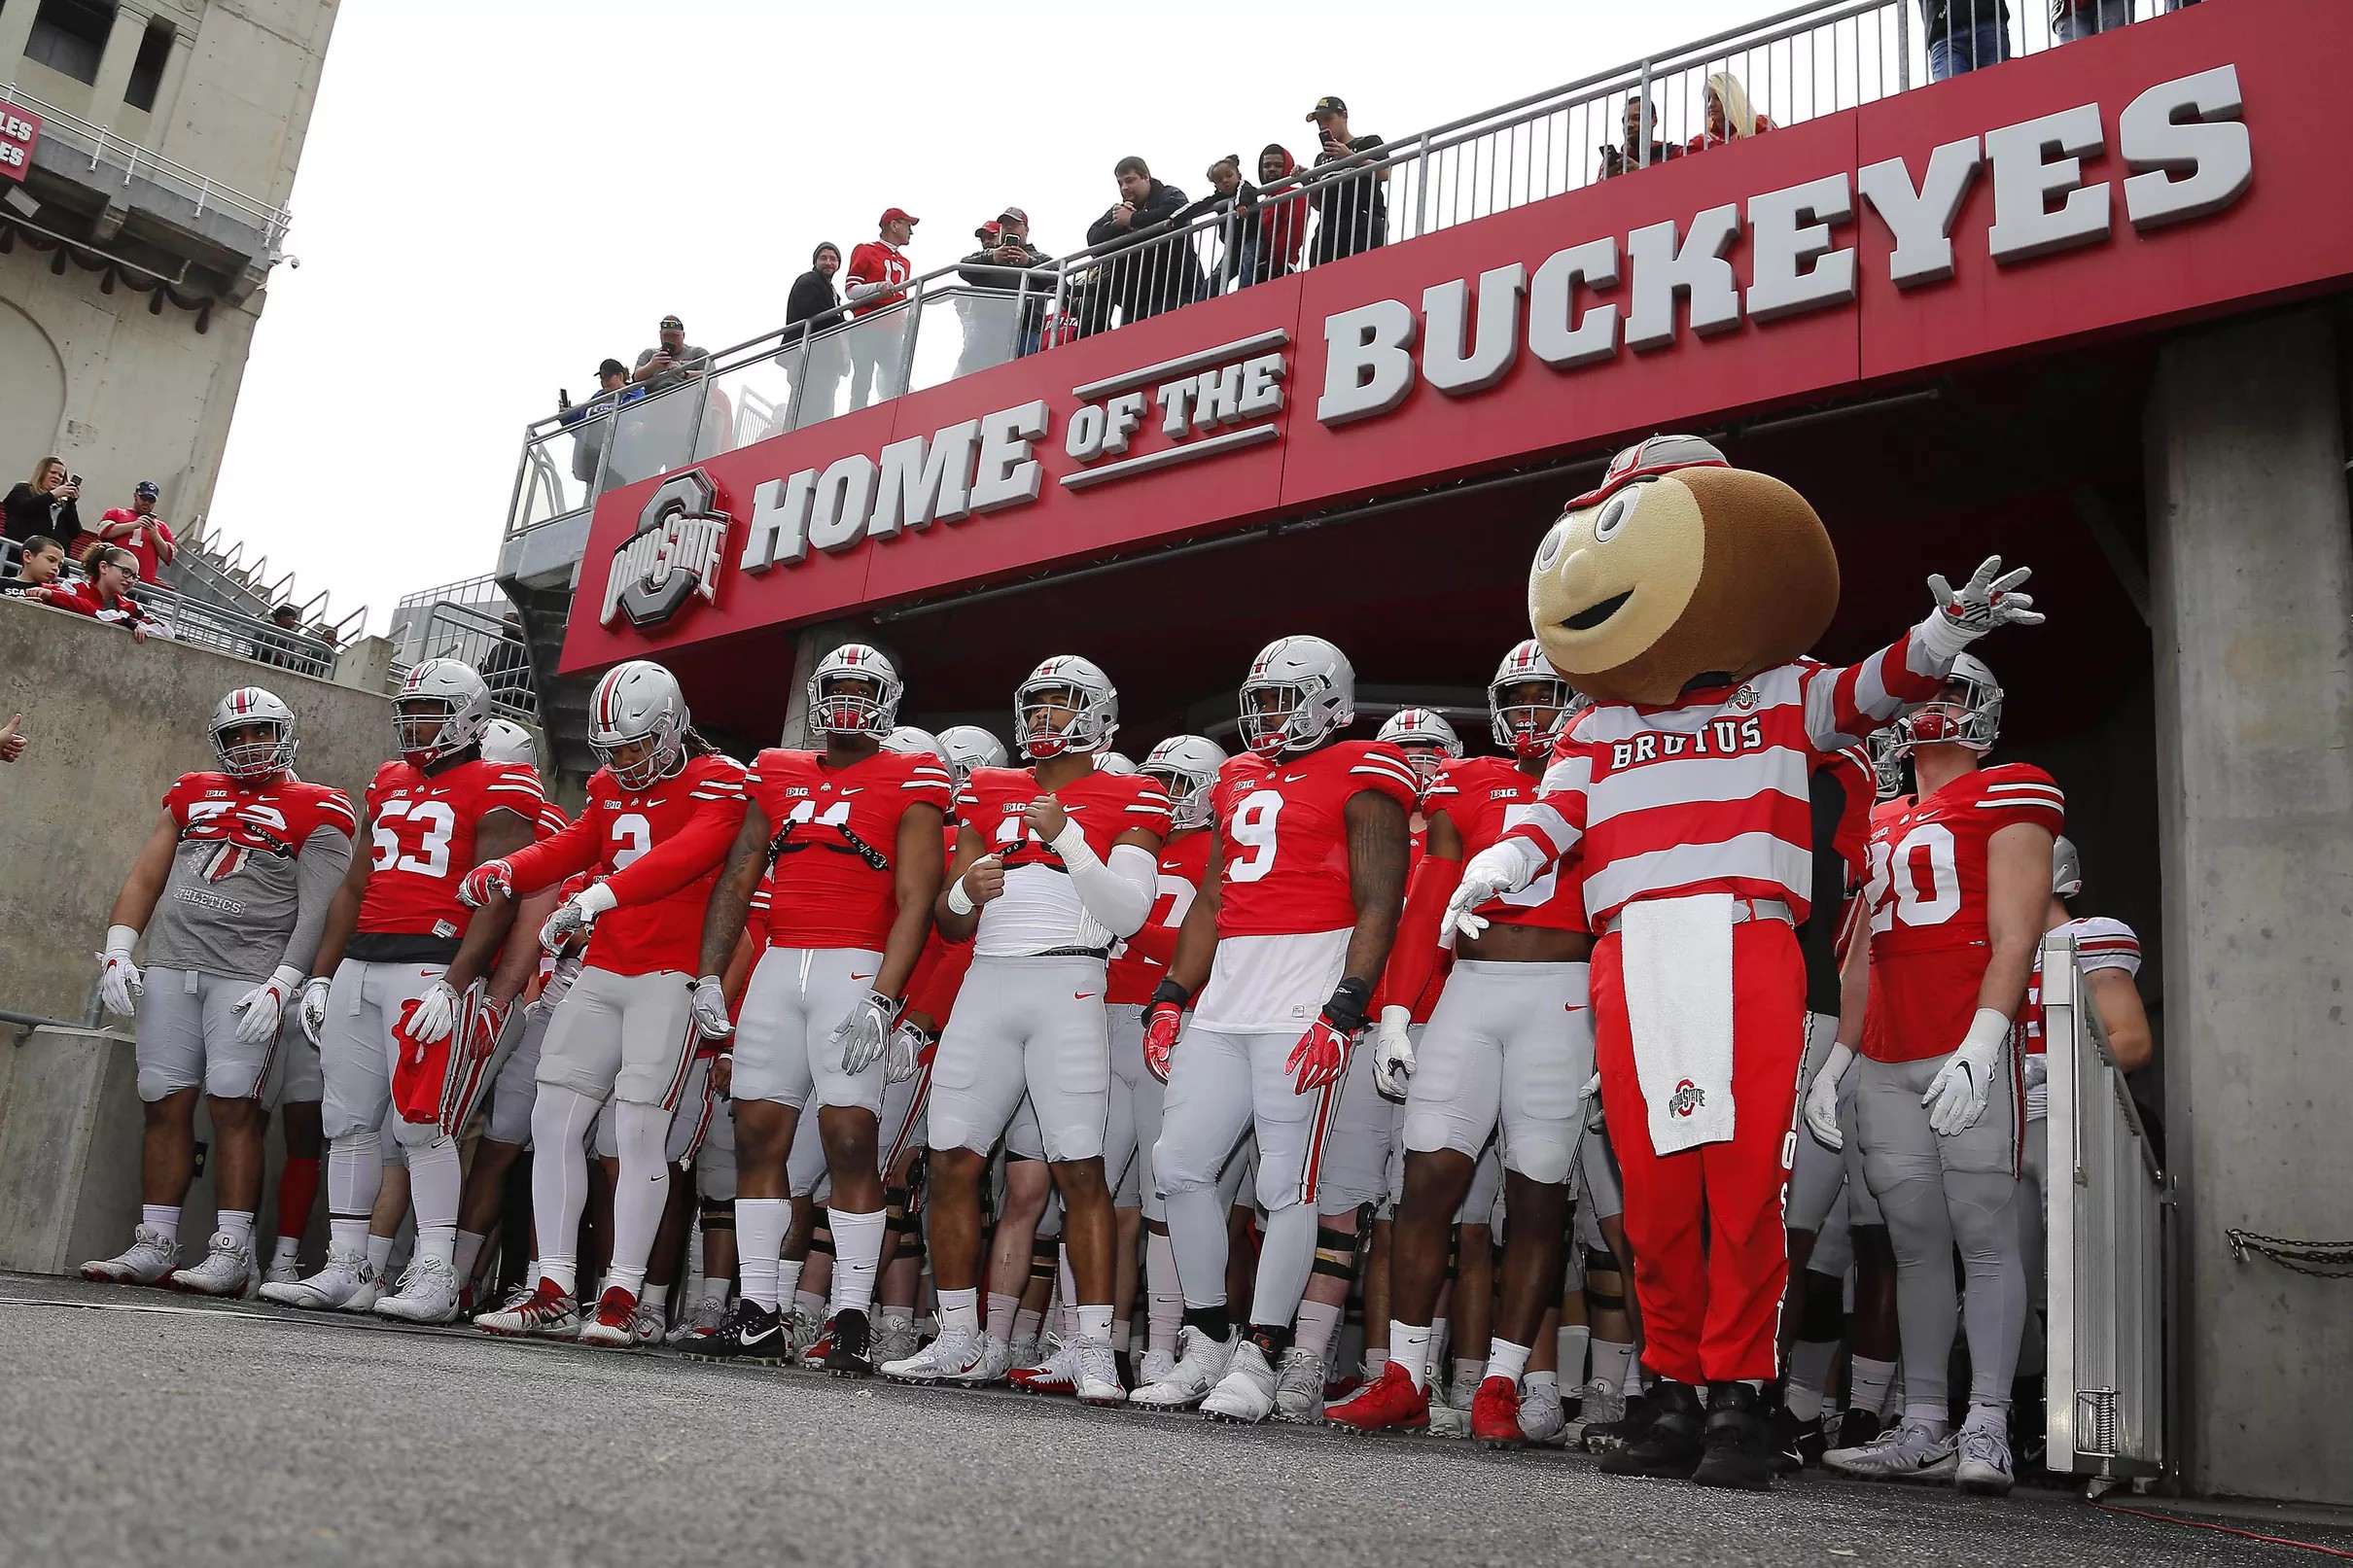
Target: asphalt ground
[(140, 1427)]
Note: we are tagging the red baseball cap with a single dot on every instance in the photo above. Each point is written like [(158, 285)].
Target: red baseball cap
[(988, 232), (898, 215)]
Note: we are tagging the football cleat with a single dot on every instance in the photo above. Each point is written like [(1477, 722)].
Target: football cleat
[(1299, 1388), (1608, 1437), (347, 1284), (149, 1258), (612, 1324), (646, 1325), (1856, 1429), (1388, 1403), (1495, 1415), (710, 1311), (820, 1347), (1201, 1362), (1245, 1395), (956, 1357), (850, 1352), (807, 1327), (1030, 1350), (1094, 1372), (282, 1273), (428, 1293), (996, 1362), (1909, 1451), (749, 1335), (1984, 1466), (1737, 1446), (1155, 1367), (1543, 1418), (227, 1270), (1447, 1421), (894, 1338), (1669, 1443), (1057, 1373), (546, 1314)]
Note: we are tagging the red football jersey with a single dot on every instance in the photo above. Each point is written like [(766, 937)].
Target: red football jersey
[(1104, 805), (2100, 943), (421, 828), (1141, 961), (1927, 900), (834, 831), (1284, 825), (878, 262), (660, 849), (279, 816), (1484, 797)]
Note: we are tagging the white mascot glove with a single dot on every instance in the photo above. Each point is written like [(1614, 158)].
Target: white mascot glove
[(711, 1009), (314, 1008), (1964, 1084), (118, 983), (1987, 600), (864, 1034), (1503, 868), (904, 1058), (576, 914), (264, 1005), (436, 1013), (1822, 1097), (1392, 1052)]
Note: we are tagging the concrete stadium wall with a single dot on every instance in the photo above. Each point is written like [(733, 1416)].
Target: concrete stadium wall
[(113, 723)]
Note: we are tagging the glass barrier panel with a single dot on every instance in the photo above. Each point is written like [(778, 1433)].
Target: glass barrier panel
[(872, 350), (655, 434), (560, 469), (751, 402), (963, 331)]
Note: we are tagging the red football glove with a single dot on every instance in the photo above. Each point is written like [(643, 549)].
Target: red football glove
[(490, 877), (489, 1022), (1321, 1054), (1162, 1017)]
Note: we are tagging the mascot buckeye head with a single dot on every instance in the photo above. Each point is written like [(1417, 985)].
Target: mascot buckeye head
[(1680, 572)]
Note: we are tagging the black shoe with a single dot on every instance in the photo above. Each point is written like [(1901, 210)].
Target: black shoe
[(1738, 1441), (1786, 1433), (1857, 1428), (850, 1354), (1608, 1437), (1669, 1445), (751, 1336)]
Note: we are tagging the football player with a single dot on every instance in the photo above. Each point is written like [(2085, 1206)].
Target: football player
[(231, 890), (851, 837), (660, 814), (1305, 884), (1960, 881), (968, 746), (409, 989), (1504, 1056), (1053, 865)]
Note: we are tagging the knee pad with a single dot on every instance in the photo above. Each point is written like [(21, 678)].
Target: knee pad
[(154, 1085), (1983, 1208), (1335, 1252), (1540, 1160), (719, 1214), (714, 1183)]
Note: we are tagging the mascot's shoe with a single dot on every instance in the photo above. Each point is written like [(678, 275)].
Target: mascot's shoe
[(1736, 1444), (1671, 1444)]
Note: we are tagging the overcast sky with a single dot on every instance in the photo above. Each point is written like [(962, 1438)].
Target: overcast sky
[(498, 193)]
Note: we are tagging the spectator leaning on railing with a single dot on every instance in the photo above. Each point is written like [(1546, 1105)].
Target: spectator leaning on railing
[(280, 651), (1628, 155), (672, 361), (877, 268), (2071, 19), (1155, 277), (613, 391), (110, 572), (1351, 211), (1964, 35), (1006, 264), (1730, 119), (1235, 200), (45, 504), (815, 307), (1281, 218), (138, 530), (37, 569)]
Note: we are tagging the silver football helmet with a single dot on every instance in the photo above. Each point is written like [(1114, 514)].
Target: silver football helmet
[(1113, 762), (1886, 764), (2066, 867), (1528, 728), (968, 747), (908, 741), (1301, 692), (504, 741), (1071, 684), (1973, 720), (441, 708), (639, 702), (1186, 767), (1427, 739), (854, 690), (252, 761)]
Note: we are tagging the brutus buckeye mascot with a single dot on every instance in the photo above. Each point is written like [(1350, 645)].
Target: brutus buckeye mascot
[(1681, 595)]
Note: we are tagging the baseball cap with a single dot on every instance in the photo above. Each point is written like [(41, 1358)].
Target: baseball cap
[(148, 488), (670, 322), (613, 368), (988, 232), (1328, 105), (1015, 213), (898, 215)]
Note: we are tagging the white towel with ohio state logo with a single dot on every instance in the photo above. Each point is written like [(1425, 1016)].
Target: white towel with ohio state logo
[(1675, 956)]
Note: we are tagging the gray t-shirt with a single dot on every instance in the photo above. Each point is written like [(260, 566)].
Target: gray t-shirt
[(251, 877), (688, 358)]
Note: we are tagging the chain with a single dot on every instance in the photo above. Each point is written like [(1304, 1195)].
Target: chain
[(2321, 1260)]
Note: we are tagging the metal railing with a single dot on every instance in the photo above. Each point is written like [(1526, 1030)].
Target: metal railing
[(186, 619), (107, 147), (480, 638), (1811, 61), (2106, 1244)]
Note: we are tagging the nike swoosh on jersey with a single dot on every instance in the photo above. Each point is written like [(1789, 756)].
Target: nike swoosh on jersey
[(867, 976), (1293, 778), (1081, 996)]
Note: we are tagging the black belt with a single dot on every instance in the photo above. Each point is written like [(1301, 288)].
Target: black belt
[(1076, 952), (401, 947)]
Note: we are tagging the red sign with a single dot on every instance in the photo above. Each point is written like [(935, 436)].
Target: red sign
[(2174, 168), (19, 134)]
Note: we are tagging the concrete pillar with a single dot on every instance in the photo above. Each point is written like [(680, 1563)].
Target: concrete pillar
[(15, 30), (365, 664), (114, 65), (2251, 588)]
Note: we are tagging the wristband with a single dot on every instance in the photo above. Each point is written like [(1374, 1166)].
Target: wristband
[(122, 939), (959, 902), (1170, 991), (1987, 1031)]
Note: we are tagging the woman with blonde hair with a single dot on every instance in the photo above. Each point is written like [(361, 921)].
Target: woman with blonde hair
[(1729, 115), (45, 503)]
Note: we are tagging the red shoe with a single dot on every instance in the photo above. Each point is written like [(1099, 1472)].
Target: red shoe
[(613, 1323), (1495, 1415), (1339, 1388), (1056, 1374), (1391, 1402)]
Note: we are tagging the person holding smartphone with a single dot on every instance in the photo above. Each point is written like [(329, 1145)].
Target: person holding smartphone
[(45, 504), (1352, 212), (138, 530)]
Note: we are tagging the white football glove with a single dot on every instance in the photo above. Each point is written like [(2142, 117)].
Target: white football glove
[(1392, 1052), (1964, 1085), (261, 1007), (1591, 1097), (314, 1008), (119, 982), (1822, 1097), (1503, 868), (864, 1034), (711, 1009), (436, 1013), (576, 914), (904, 1057), (2038, 1070), (1987, 600)]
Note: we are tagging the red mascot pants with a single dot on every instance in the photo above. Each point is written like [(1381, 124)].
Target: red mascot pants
[(1710, 1253)]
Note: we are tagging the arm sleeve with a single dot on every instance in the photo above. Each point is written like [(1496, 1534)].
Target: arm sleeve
[(1154, 944), (554, 859), (1842, 705), (319, 870), (1119, 895), (695, 848), (1556, 820), (1414, 953)]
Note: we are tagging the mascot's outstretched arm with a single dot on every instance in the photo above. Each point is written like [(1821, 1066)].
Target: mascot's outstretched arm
[(1843, 706)]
